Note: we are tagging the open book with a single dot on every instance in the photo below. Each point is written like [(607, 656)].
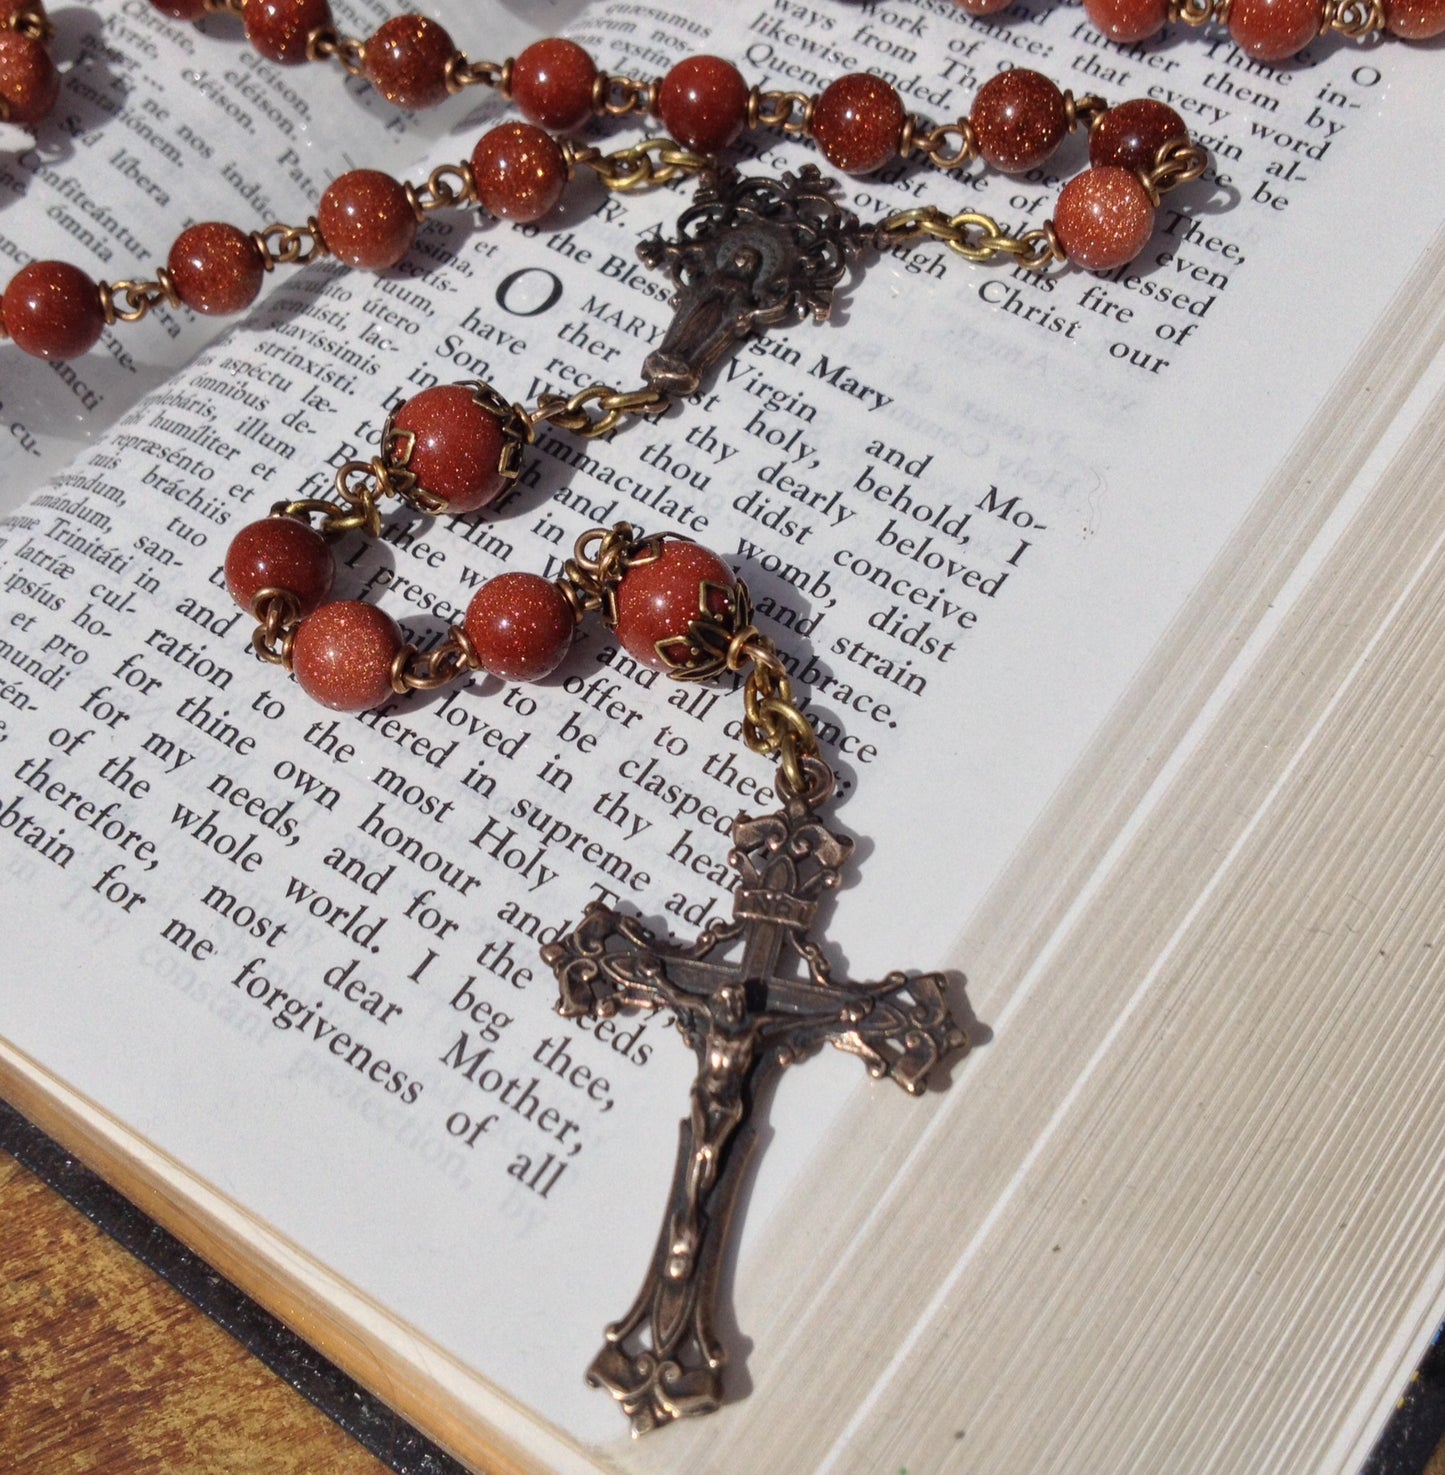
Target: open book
[(1118, 602)]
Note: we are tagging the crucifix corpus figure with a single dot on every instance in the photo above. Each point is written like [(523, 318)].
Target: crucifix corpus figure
[(760, 1011)]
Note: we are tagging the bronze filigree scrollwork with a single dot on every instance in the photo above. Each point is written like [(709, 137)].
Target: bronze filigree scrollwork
[(749, 253)]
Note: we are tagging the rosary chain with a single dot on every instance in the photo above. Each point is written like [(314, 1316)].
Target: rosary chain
[(447, 187), (359, 485), (325, 43), (277, 613), (1357, 19), (453, 660), (1175, 163), (600, 557), (972, 235), (571, 412), (130, 301), (462, 73), (1083, 112), (948, 146), (790, 111), (631, 169), (289, 245), (620, 97), (1200, 12), (774, 725)]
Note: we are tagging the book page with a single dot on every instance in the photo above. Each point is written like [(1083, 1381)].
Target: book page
[(299, 951), (160, 124)]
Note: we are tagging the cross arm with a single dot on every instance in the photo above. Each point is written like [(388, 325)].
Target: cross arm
[(610, 961), (899, 1027)]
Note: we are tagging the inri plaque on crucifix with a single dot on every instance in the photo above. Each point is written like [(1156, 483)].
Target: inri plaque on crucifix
[(749, 995)]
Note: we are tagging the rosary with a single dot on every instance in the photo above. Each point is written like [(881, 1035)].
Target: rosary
[(412, 62), (755, 993)]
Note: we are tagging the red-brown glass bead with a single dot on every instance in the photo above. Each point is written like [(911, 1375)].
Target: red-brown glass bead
[(1018, 118), (456, 447), (1415, 20), (52, 309), (29, 82), (280, 29), (983, 7), (366, 219), (1132, 134), (552, 83), (1104, 218), (658, 598), (1273, 30), (703, 103), (216, 268), (520, 626), (181, 9), (280, 553), (343, 655), (1127, 21), (406, 61), (520, 172), (858, 122)]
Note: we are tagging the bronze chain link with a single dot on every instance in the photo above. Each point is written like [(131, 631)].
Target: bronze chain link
[(452, 660), (290, 245), (570, 412), (972, 235), (129, 302), (644, 165)]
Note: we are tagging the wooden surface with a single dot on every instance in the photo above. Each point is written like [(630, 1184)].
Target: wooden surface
[(103, 1366)]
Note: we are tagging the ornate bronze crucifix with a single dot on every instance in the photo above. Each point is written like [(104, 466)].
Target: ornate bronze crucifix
[(663, 1360)]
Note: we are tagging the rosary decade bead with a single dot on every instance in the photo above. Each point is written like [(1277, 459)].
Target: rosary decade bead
[(858, 122), (983, 7), (658, 598), (520, 172), (1273, 30), (520, 626), (1104, 218), (280, 553), (406, 61), (1127, 21), (181, 9), (1132, 134), (280, 29), (343, 653), (366, 219), (456, 448), (703, 103), (53, 310), (216, 268), (1019, 118), (1415, 20), (29, 82), (552, 83)]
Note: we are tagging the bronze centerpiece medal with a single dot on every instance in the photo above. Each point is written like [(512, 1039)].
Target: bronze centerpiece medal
[(749, 254)]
